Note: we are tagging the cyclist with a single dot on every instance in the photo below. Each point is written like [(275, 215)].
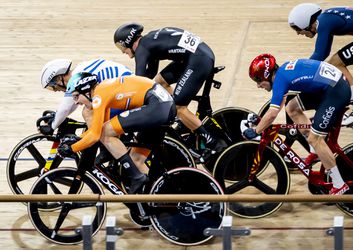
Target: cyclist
[(192, 62), (308, 19), (56, 74), (330, 95), (147, 105)]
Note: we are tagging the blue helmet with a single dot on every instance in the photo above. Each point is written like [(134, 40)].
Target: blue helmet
[(82, 82)]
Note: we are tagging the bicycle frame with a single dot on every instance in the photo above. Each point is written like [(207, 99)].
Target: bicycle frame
[(271, 134)]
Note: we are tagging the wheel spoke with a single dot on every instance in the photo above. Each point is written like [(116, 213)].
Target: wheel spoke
[(36, 155), (237, 186), (260, 185), (27, 175)]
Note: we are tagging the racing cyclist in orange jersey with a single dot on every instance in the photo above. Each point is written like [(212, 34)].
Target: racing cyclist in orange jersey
[(147, 106)]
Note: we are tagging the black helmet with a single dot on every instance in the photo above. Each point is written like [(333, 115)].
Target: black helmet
[(127, 34), (81, 82)]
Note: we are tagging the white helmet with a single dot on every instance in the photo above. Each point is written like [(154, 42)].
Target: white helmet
[(303, 16), (52, 69)]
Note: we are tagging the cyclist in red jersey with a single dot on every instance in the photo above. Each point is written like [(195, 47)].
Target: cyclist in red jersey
[(147, 105)]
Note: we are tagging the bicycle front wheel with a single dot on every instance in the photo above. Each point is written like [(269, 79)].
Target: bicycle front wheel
[(228, 119), (183, 223), (59, 226), (28, 158), (232, 171)]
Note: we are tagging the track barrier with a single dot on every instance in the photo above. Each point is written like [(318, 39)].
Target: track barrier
[(177, 198)]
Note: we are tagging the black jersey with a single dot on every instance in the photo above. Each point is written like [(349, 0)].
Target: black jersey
[(167, 43)]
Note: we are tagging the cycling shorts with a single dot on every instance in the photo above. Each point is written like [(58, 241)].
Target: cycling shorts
[(346, 54)]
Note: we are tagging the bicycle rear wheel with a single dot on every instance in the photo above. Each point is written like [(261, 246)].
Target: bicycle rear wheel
[(183, 223), (59, 181), (347, 174), (28, 158), (232, 171), (229, 119)]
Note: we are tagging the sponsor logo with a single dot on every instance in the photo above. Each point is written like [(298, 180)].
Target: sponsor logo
[(327, 117), (176, 51), (119, 96), (267, 68), (26, 145), (106, 181), (291, 65), (96, 101), (183, 80), (129, 37)]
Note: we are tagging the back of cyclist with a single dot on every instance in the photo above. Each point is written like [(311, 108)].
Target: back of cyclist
[(309, 19), (330, 95), (147, 105), (192, 63), (56, 74)]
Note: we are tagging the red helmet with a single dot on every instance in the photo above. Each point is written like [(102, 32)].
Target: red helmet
[(262, 68)]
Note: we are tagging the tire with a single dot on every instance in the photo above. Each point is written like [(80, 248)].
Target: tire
[(233, 169), (183, 223), (229, 119), (27, 159), (347, 175), (44, 221)]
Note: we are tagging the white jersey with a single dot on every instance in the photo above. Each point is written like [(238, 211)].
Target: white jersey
[(104, 69)]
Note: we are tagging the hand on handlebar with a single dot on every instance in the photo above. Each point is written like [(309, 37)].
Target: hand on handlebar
[(47, 118), (247, 127), (64, 148)]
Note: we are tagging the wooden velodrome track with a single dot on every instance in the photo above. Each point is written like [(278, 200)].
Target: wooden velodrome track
[(33, 32)]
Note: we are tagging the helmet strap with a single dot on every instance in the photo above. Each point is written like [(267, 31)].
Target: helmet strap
[(88, 96)]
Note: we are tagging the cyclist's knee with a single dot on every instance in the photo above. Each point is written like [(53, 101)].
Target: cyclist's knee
[(293, 109), (107, 132), (315, 140)]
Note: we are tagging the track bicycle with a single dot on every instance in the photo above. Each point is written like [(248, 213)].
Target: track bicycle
[(179, 222), (37, 153), (251, 167)]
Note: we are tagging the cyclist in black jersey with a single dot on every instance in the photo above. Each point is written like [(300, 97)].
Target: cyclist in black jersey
[(192, 62)]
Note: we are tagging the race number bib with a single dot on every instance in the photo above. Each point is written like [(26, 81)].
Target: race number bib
[(162, 93), (330, 72), (189, 41)]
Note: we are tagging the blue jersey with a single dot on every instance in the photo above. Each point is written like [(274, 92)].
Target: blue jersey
[(303, 75), (104, 69), (332, 22)]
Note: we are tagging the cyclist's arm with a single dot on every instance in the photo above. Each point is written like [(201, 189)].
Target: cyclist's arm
[(93, 134), (145, 65), (66, 107), (267, 119)]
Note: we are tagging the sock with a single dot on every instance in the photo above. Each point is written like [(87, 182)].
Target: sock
[(335, 175), (201, 131), (128, 167)]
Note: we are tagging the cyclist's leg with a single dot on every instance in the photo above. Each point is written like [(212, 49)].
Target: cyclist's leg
[(334, 101), (295, 109)]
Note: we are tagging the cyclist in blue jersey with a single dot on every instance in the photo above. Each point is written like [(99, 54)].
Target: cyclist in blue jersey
[(330, 95), (308, 19), (56, 74)]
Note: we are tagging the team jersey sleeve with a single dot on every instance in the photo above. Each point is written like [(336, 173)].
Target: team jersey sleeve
[(145, 65), (66, 107), (324, 39), (279, 90), (93, 134)]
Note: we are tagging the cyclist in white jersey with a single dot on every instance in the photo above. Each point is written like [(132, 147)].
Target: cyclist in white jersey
[(56, 74)]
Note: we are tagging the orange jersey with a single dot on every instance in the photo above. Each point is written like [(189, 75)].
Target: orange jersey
[(127, 92)]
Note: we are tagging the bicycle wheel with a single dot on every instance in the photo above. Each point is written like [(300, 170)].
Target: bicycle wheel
[(271, 178), (58, 181), (28, 158), (183, 223), (229, 120), (347, 174)]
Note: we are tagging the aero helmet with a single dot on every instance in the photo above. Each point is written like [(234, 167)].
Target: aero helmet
[(127, 34), (82, 82), (303, 16), (262, 68), (52, 69)]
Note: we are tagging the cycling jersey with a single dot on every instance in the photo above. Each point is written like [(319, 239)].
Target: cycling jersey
[(322, 80), (147, 105), (192, 60), (104, 69), (332, 22)]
